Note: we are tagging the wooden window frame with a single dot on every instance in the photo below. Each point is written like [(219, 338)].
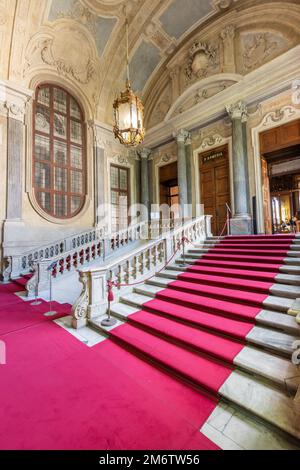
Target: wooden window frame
[(119, 190), (51, 162)]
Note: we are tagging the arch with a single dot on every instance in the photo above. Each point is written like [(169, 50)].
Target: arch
[(58, 152)]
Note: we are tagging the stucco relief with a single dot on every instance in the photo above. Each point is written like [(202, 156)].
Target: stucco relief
[(67, 50), (203, 61), (258, 48)]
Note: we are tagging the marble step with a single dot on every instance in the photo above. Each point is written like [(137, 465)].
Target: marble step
[(292, 261), (261, 396), (232, 428), (285, 269), (280, 290), (294, 254), (261, 399), (268, 318), (262, 363), (174, 270), (272, 332), (272, 302)]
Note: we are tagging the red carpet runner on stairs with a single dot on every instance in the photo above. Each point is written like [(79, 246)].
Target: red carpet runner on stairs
[(56, 393)]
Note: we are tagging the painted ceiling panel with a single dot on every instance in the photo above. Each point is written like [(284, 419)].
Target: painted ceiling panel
[(101, 28), (143, 63), (182, 14)]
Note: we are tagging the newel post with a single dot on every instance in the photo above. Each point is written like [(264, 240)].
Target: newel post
[(207, 219), (93, 298)]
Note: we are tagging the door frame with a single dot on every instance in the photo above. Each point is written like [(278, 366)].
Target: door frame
[(276, 118), (211, 143)]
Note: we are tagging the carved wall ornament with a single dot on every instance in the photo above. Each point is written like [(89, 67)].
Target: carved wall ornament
[(211, 140), (278, 115), (203, 58), (65, 68), (228, 33), (258, 48)]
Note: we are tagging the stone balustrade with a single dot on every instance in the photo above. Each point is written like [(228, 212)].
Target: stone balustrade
[(85, 248), (132, 267)]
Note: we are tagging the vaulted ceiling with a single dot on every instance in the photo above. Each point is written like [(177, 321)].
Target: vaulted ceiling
[(84, 41)]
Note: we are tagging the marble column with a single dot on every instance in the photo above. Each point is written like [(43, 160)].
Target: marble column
[(189, 171), (145, 188), (241, 223), (181, 169)]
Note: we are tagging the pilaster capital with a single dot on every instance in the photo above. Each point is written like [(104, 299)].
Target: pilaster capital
[(14, 100), (144, 153), (238, 111), (228, 33), (181, 135), (188, 140)]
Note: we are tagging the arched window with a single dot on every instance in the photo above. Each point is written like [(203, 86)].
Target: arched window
[(58, 152)]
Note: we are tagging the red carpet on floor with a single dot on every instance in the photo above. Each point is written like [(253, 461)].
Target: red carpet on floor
[(56, 393)]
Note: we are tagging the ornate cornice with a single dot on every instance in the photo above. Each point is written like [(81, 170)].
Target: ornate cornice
[(14, 100)]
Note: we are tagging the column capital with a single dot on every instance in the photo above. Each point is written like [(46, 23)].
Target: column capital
[(228, 33), (181, 135), (144, 153), (14, 100), (238, 111), (188, 140)]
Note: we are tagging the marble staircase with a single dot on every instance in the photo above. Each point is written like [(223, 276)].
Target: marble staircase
[(261, 388)]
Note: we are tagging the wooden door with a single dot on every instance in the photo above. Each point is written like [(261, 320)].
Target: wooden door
[(215, 187), (266, 196)]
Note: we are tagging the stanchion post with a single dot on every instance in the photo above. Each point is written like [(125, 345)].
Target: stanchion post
[(51, 312), (109, 321), (36, 301)]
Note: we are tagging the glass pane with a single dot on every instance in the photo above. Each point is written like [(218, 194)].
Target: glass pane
[(42, 120), (44, 96), (42, 175), (123, 179), (42, 147), (76, 132), (75, 203), (76, 157), (114, 197), (44, 200), (60, 205), (75, 110), (60, 126), (60, 153), (76, 182), (60, 100), (61, 180), (123, 221), (114, 177)]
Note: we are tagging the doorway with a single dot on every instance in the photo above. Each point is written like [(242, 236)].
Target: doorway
[(168, 186), (215, 185), (280, 163)]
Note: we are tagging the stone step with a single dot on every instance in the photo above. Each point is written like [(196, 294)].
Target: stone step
[(232, 428), (259, 387), (261, 399), (289, 279), (280, 290), (283, 290), (295, 270), (276, 369), (275, 332), (272, 302), (174, 270), (294, 253), (292, 261)]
